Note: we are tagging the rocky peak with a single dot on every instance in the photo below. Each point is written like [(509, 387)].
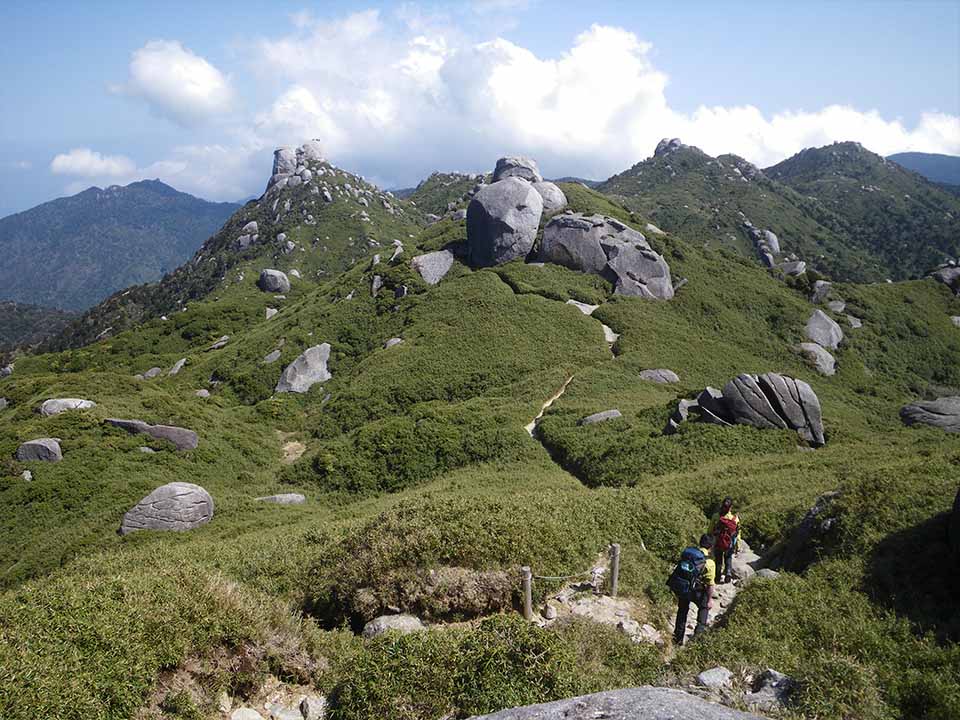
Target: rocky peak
[(668, 145)]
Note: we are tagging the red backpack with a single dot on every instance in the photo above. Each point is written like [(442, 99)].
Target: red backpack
[(726, 530)]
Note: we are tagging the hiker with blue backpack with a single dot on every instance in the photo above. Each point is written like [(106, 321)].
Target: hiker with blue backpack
[(692, 581), (726, 534)]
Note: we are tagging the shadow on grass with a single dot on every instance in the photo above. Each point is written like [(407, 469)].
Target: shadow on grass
[(915, 573)]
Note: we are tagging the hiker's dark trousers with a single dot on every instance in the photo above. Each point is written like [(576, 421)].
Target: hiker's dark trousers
[(724, 564), (683, 609)]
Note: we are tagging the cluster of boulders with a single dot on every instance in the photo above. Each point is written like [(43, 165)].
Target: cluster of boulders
[(768, 401), (309, 707), (823, 334), (766, 243), (769, 691), (606, 247)]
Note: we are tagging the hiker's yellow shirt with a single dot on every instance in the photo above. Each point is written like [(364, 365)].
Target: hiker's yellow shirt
[(709, 573)]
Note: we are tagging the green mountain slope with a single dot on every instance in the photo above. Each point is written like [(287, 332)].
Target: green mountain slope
[(296, 229), (442, 192), (705, 199), (74, 251), (426, 494), (909, 224), (28, 324)]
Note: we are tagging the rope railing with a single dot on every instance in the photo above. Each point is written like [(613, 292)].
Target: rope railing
[(527, 577)]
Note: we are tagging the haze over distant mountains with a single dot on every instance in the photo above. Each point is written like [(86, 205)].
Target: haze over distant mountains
[(944, 169), (72, 252)]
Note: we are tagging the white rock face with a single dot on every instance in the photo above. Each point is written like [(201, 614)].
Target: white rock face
[(433, 266), (822, 330), (55, 406), (177, 367), (306, 371)]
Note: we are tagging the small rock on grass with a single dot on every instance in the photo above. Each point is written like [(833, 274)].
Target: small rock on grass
[(717, 677)]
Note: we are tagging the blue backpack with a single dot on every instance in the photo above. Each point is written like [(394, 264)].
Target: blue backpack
[(686, 580)]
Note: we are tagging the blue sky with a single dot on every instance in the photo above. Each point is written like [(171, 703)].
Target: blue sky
[(199, 94)]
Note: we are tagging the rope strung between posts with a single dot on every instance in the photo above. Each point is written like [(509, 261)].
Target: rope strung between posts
[(591, 571)]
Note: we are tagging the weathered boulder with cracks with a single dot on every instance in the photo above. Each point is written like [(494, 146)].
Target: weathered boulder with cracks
[(41, 449), (55, 406), (641, 703), (306, 371), (175, 506), (942, 413), (181, 438), (433, 266), (606, 247), (769, 402), (502, 222), (273, 281)]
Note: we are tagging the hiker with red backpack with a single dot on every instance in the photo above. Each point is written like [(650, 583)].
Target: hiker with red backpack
[(726, 533), (692, 581)]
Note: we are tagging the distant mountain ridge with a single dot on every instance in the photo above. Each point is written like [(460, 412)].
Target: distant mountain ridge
[(943, 169), (27, 325), (72, 252)]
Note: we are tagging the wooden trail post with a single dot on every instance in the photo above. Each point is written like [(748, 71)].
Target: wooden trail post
[(614, 568), (527, 576)]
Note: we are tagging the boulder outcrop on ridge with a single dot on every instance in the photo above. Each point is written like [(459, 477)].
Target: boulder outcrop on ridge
[(606, 247), (769, 401), (502, 222), (175, 506), (517, 166), (553, 198)]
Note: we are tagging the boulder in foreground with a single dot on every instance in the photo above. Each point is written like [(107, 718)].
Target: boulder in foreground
[(642, 703), (174, 506), (42, 449), (502, 222)]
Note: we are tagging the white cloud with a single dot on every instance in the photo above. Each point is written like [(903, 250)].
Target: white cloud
[(176, 83), (415, 97), (88, 163), (396, 96)]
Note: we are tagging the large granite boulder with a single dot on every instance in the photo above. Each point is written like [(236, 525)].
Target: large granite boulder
[(942, 413), (433, 266), (553, 198), (55, 406), (273, 281), (641, 703), (517, 166), (821, 291), (662, 376), (600, 417), (823, 330), (770, 402), (948, 275), (403, 624), (284, 499), (181, 438), (284, 161), (307, 370), (502, 222), (174, 506), (41, 449), (606, 247)]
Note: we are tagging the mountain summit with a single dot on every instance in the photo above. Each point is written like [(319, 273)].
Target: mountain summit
[(74, 251)]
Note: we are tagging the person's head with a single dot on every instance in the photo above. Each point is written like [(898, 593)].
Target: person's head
[(726, 505), (706, 542)]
